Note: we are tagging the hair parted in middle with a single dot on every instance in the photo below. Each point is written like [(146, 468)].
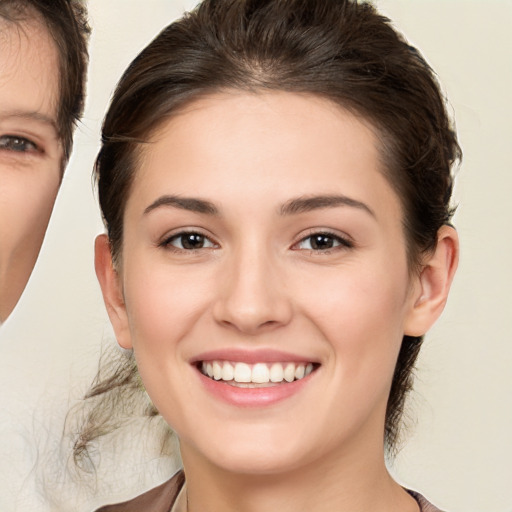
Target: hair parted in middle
[(343, 51)]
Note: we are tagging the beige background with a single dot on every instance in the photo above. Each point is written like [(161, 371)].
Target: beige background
[(459, 451)]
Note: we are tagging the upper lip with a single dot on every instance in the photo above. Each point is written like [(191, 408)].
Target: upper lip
[(251, 356)]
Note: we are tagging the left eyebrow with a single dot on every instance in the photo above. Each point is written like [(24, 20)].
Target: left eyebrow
[(183, 203), (310, 203)]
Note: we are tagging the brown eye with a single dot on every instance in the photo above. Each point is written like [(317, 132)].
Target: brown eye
[(323, 242), (189, 241), (192, 241)]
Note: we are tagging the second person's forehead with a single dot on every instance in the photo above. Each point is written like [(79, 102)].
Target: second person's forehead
[(29, 70)]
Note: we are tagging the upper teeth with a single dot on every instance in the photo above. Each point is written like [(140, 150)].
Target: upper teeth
[(259, 373)]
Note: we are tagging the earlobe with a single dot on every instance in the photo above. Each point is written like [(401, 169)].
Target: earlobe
[(112, 290), (434, 282)]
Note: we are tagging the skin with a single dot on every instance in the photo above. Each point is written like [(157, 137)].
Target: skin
[(257, 284), (30, 151)]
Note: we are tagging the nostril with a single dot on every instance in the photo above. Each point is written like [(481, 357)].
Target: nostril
[(250, 326), (253, 316)]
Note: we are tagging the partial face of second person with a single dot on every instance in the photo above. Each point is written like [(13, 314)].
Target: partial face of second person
[(30, 150), (263, 243)]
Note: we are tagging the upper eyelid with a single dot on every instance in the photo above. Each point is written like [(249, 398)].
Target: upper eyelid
[(38, 127), (324, 231), (185, 231), (344, 244), (42, 132)]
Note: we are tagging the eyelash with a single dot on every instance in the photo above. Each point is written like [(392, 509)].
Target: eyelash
[(12, 143), (167, 243), (338, 242)]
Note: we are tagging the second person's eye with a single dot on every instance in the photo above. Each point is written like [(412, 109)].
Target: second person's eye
[(18, 144)]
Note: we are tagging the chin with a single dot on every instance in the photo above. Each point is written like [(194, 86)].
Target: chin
[(265, 463), (257, 454)]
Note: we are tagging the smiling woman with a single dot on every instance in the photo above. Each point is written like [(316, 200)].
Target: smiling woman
[(42, 73), (275, 182)]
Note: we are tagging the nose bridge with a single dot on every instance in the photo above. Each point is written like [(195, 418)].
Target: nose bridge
[(253, 295)]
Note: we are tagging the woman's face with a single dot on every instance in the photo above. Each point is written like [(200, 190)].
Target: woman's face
[(262, 242), (30, 151)]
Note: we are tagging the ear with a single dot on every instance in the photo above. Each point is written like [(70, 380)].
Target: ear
[(430, 292), (111, 289)]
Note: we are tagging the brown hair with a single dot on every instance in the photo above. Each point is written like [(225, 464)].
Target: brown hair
[(67, 24), (341, 50)]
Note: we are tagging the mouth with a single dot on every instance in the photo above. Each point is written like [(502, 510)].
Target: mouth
[(257, 375)]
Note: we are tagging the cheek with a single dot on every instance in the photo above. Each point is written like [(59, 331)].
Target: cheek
[(360, 318), (28, 203), (166, 309), (163, 303), (360, 312)]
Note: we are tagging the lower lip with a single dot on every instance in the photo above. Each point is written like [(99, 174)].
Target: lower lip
[(253, 397)]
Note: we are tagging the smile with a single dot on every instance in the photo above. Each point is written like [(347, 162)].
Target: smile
[(261, 374)]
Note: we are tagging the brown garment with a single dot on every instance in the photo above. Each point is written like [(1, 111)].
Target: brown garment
[(162, 498), (159, 499), (425, 506)]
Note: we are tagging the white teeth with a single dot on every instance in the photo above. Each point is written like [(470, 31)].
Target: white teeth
[(228, 372), (217, 370), (289, 372), (242, 372), (259, 373), (276, 373)]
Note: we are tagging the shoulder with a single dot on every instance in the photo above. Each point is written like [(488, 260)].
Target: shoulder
[(158, 499), (425, 506)]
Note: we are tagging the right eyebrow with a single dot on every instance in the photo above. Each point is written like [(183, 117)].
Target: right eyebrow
[(191, 204), (310, 203)]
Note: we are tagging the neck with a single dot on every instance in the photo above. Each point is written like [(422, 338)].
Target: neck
[(344, 483)]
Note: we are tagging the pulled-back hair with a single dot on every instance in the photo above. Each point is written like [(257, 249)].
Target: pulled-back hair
[(340, 50), (66, 22)]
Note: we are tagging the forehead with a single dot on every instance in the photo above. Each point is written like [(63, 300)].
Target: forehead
[(267, 128), (261, 126), (29, 68), (264, 145)]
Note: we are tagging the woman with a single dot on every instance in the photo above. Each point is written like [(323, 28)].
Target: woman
[(275, 181)]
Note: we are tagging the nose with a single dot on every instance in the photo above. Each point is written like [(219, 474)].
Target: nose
[(253, 297)]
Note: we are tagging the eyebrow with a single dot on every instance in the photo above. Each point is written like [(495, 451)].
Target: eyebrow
[(183, 203), (310, 203), (292, 207), (30, 116)]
